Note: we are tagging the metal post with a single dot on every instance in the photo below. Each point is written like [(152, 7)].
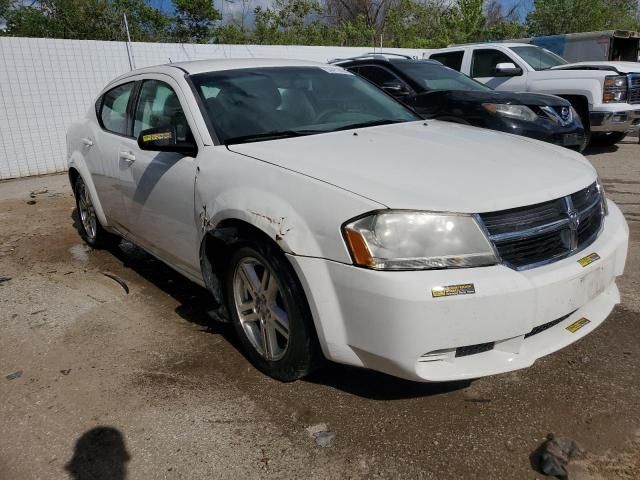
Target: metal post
[(132, 64)]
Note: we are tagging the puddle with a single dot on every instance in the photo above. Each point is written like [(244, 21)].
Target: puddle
[(80, 252)]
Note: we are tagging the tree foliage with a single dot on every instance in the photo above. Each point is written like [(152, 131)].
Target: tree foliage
[(195, 20), (394, 23), (551, 17)]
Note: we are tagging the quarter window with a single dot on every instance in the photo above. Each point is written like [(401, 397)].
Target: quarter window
[(449, 59), (159, 107), (484, 62), (113, 112)]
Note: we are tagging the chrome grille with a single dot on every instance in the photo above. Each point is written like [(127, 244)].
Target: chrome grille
[(634, 88), (526, 237)]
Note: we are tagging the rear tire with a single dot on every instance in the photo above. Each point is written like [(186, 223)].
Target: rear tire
[(607, 139), (269, 310), (89, 226)]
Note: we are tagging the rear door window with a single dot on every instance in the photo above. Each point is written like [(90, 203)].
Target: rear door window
[(378, 75), (449, 59), (113, 111)]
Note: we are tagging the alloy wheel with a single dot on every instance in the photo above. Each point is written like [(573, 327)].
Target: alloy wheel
[(261, 308), (87, 212)]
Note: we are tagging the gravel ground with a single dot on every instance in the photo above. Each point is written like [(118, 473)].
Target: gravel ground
[(141, 385)]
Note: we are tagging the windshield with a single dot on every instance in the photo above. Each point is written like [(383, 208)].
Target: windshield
[(438, 77), (247, 105), (539, 58)]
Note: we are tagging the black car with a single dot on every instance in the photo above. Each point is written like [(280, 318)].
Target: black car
[(436, 91)]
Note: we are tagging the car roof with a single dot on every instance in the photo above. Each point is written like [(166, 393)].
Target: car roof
[(481, 44), (383, 59), (202, 66)]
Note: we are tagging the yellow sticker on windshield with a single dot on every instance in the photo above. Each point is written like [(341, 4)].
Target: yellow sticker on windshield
[(578, 324), (589, 259), (449, 290)]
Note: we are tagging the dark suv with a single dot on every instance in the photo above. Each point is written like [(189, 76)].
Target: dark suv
[(439, 92)]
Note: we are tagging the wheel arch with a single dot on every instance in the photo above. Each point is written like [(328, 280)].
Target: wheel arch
[(581, 105), (78, 169), (215, 249)]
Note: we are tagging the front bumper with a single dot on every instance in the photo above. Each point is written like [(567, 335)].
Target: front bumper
[(571, 135), (390, 322), (615, 118)]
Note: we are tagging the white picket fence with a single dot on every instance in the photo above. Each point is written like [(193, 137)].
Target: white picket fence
[(45, 84)]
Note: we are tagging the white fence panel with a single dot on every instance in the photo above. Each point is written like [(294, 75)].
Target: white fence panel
[(45, 84)]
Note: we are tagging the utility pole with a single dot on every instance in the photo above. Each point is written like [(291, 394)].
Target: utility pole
[(132, 64)]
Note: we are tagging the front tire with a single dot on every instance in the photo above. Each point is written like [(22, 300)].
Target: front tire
[(270, 313), (89, 225)]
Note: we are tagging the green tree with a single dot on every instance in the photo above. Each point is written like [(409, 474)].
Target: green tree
[(232, 34), (85, 19), (293, 22), (413, 24), (195, 20), (146, 23), (552, 17), (465, 21)]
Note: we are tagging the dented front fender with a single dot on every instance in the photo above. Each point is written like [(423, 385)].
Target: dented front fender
[(301, 214)]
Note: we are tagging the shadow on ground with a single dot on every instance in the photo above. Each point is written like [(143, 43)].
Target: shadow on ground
[(598, 149), (99, 454), (378, 386)]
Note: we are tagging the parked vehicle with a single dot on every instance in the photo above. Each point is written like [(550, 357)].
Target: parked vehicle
[(327, 219), (609, 45), (606, 95), (436, 91)]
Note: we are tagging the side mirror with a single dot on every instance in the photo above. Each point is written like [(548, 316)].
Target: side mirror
[(163, 139), (396, 89), (507, 69)]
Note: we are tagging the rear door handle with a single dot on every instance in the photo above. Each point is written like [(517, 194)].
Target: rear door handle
[(87, 142), (128, 157)]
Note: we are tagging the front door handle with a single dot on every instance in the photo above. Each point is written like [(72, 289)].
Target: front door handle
[(87, 142), (127, 157)]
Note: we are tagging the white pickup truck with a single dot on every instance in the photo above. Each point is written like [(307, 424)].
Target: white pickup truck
[(606, 95)]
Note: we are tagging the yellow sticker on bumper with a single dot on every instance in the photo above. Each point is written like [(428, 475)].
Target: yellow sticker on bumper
[(449, 290), (578, 324), (589, 259)]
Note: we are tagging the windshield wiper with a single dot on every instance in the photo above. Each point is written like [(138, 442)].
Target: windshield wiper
[(372, 123), (261, 137)]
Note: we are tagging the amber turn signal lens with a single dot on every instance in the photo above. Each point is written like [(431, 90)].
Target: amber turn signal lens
[(359, 249)]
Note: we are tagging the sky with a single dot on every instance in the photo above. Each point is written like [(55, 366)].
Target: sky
[(523, 6), (228, 7)]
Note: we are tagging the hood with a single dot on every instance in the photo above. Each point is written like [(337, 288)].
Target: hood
[(433, 165), (490, 96), (619, 67)]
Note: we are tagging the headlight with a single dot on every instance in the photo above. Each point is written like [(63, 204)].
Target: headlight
[(615, 89), (521, 112), (411, 240), (603, 196)]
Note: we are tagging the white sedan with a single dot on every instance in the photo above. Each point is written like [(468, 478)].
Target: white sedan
[(329, 221)]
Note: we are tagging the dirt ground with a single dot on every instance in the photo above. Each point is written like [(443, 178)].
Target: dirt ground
[(142, 385)]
